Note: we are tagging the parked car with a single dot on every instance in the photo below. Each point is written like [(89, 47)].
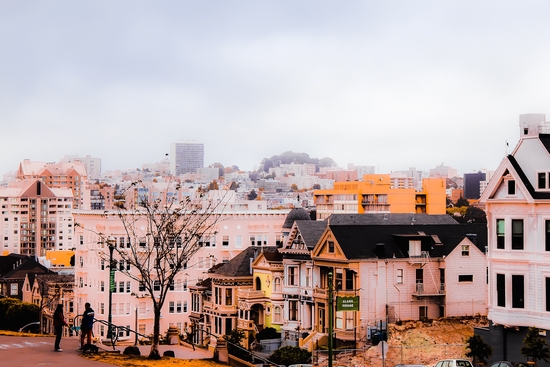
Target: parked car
[(454, 363), (410, 365), (509, 364)]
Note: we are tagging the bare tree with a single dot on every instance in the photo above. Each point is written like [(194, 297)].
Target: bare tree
[(49, 287), (163, 235)]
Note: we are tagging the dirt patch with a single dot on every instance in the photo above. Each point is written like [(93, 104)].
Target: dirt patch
[(417, 342)]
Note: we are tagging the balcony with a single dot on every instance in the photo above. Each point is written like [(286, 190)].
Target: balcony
[(320, 293), (250, 294), (375, 207), (422, 258), (427, 290)]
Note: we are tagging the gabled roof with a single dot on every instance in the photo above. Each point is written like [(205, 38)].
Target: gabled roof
[(392, 241), (240, 265), (15, 266), (311, 231), (523, 177)]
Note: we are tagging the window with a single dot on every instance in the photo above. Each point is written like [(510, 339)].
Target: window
[(517, 234), (399, 276), (292, 275), (121, 287), (14, 290), (415, 248), (171, 307), (500, 234), (102, 308), (465, 278), (465, 250), (277, 314), (330, 246), (238, 241), (511, 187), (293, 310), (501, 290), (547, 284), (547, 235), (228, 296), (225, 241), (102, 286), (277, 285), (542, 181), (184, 306), (338, 280), (128, 287), (518, 300), (156, 285), (350, 280), (308, 277)]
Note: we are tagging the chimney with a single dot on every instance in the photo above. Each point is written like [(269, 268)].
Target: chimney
[(380, 250)]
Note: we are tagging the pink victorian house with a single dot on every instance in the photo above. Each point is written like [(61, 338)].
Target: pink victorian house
[(517, 201)]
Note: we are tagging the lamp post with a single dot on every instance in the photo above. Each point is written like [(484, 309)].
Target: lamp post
[(330, 319), (111, 288), (136, 328)]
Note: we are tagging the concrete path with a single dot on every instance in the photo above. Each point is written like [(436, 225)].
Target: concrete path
[(16, 351)]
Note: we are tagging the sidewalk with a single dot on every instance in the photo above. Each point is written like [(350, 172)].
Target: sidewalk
[(17, 351)]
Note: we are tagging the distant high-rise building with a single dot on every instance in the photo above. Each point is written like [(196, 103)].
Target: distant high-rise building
[(186, 157), (93, 165), (472, 184)]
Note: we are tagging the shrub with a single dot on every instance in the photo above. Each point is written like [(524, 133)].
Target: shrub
[(290, 355)]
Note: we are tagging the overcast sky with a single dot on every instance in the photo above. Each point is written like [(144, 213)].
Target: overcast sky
[(391, 84)]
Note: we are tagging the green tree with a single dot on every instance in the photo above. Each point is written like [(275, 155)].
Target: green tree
[(234, 345), (5, 304), (475, 215), (290, 355), (535, 346), (252, 195), (478, 349), (268, 333), (20, 314), (462, 202)]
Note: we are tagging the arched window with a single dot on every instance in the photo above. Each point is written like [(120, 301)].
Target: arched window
[(258, 284), (276, 284)]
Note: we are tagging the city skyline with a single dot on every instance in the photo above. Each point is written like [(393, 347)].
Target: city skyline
[(392, 85)]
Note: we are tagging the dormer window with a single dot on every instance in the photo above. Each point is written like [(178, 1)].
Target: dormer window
[(512, 187)]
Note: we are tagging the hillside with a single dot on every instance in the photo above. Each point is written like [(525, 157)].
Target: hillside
[(416, 342)]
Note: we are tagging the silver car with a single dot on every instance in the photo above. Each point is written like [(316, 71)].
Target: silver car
[(454, 363)]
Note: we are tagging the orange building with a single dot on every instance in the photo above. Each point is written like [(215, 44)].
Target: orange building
[(377, 194)]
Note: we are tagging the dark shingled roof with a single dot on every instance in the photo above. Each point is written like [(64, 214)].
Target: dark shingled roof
[(239, 266), (311, 231), (389, 219), (388, 241), (545, 140), (294, 215)]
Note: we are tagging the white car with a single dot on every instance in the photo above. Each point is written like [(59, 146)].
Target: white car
[(454, 363)]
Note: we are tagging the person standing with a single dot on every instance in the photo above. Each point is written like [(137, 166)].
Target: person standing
[(87, 325), (58, 323)]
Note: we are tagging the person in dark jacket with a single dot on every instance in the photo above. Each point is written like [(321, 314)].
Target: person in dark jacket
[(58, 323), (87, 325)]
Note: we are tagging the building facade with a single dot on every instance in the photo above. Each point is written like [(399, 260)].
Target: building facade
[(376, 194)]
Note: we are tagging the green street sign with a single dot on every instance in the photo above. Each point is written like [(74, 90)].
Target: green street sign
[(112, 285), (347, 303)]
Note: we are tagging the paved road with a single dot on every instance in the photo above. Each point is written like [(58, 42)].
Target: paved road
[(18, 351)]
